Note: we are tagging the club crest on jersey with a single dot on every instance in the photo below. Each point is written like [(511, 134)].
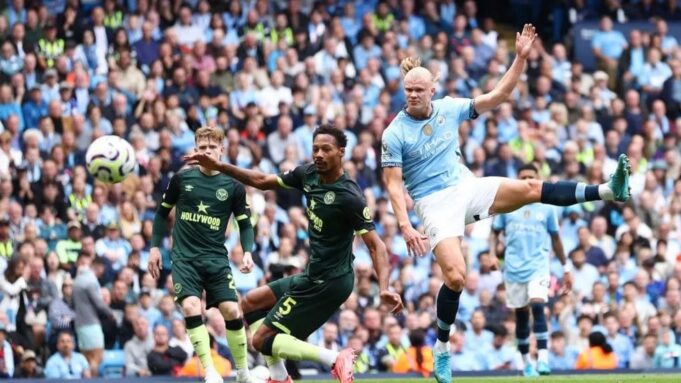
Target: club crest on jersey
[(221, 194), (177, 287), (427, 129), (329, 197), (188, 187), (440, 120)]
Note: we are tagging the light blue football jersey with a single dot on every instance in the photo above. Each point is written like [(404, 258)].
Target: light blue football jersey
[(528, 241), (427, 150)]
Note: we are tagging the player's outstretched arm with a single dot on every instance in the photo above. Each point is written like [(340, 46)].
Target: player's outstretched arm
[(379, 256), (502, 91), (416, 242), (254, 178)]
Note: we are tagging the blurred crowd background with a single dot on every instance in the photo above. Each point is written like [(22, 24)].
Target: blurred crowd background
[(267, 72)]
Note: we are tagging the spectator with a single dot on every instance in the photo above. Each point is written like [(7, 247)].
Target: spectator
[(89, 306), (645, 353), (164, 359), (621, 344), (608, 45), (67, 363), (561, 356), (417, 358), (500, 356), (7, 355), (667, 353), (181, 339), (599, 355), (68, 249), (60, 313), (138, 348), (28, 367), (388, 355), (193, 367)]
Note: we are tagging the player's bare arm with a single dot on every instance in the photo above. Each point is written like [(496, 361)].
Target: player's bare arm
[(502, 91), (416, 242), (379, 256), (254, 178), (558, 249)]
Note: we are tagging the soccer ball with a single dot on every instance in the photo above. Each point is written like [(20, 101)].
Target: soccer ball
[(110, 159)]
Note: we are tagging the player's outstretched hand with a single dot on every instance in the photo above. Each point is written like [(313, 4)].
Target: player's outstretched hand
[(393, 300), (246, 263), (155, 262), (417, 243), (201, 159), (524, 41)]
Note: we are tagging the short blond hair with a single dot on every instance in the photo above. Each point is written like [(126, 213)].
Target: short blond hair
[(210, 134)]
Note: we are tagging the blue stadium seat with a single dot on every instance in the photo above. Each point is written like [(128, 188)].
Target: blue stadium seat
[(113, 364)]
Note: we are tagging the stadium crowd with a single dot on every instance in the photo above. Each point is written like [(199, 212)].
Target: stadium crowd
[(267, 72)]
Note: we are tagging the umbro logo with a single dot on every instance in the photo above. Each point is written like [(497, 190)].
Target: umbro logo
[(189, 188)]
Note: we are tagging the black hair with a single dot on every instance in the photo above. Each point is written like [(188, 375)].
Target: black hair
[(597, 339), (341, 139), (528, 166), (417, 338)]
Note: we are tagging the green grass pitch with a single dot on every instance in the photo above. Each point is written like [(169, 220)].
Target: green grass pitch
[(590, 378)]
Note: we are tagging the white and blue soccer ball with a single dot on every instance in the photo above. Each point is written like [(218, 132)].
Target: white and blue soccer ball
[(110, 159)]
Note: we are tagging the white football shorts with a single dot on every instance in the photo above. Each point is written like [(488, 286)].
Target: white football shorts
[(520, 294), (445, 213)]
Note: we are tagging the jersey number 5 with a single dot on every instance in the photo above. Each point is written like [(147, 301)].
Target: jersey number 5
[(287, 306)]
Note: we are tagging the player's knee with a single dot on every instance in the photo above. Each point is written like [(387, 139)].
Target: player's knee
[(191, 306), (453, 278), (230, 310)]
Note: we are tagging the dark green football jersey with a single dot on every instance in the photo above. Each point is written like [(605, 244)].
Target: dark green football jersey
[(203, 205), (335, 212)]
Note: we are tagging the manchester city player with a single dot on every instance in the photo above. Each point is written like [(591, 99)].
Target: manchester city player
[(421, 152), (529, 232)]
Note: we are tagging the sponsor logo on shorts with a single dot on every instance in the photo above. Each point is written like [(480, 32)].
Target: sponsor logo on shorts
[(221, 194)]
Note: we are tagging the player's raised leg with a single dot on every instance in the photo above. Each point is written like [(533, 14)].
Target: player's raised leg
[(255, 305), (513, 194)]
